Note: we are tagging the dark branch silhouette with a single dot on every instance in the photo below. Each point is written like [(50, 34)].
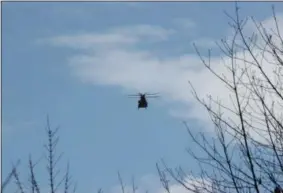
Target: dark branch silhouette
[(51, 168), (246, 154)]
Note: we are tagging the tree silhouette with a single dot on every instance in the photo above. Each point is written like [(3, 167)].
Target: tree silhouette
[(247, 153), (52, 170)]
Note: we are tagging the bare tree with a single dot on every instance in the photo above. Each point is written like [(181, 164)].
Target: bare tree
[(9, 177), (53, 172), (246, 154)]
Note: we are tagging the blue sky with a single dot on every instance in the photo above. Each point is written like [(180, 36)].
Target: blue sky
[(78, 61)]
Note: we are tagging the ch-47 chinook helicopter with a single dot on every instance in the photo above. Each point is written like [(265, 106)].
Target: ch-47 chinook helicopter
[(142, 102)]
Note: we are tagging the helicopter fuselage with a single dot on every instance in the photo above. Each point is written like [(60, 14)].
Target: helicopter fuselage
[(142, 103)]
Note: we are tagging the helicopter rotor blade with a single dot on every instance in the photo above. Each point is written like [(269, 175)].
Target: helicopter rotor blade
[(153, 97), (150, 94), (134, 95)]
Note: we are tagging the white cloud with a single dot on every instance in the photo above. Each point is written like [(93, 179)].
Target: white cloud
[(207, 43), (185, 23), (145, 30), (17, 127), (141, 70), (151, 183), (114, 38), (87, 41)]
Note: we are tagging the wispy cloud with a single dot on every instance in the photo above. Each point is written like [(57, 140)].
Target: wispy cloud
[(146, 31), (117, 37), (151, 183), (87, 41), (141, 70), (186, 23), (17, 127), (207, 43)]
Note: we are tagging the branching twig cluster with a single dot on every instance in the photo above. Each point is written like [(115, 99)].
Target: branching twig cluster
[(247, 155), (51, 168)]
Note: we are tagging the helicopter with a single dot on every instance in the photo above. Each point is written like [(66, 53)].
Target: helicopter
[(142, 102)]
